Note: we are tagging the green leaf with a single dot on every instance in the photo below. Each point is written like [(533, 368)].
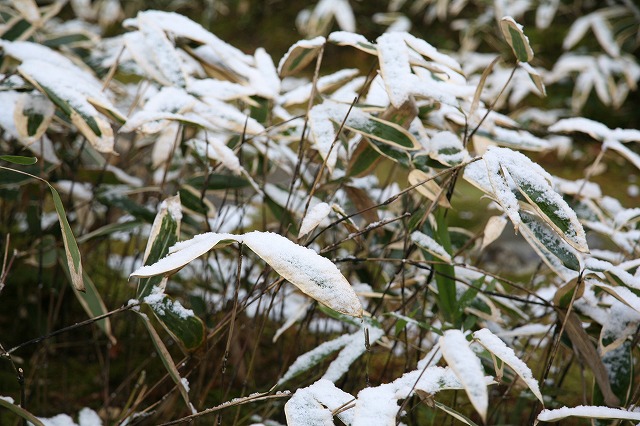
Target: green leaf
[(363, 159), (19, 159), (70, 245), (92, 303), (164, 234), (545, 241), (166, 359), (384, 131), (445, 273), (512, 32), (21, 412), (180, 323), (32, 115)]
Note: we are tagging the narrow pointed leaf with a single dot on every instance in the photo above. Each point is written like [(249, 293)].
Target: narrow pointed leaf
[(32, 116), (546, 241), (184, 252), (181, 323), (427, 243), (461, 359), (492, 230), (19, 159), (164, 234), (19, 411), (497, 347), (300, 55), (314, 216), (70, 245), (166, 359), (453, 413), (313, 274), (384, 131), (429, 188), (588, 412), (512, 32)]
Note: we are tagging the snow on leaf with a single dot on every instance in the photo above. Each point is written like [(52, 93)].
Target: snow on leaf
[(299, 55), (73, 94), (345, 38), (546, 242), (519, 43), (164, 55), (32, 115), (447, 148), (325, 83), (467, 367), (534, 183), (393, 55), (497, 347), (430, 245), (351, 347), (623, 294), (315, 404), (627, 153), (314, 216), (313, 274), (184, 252), (589, 412)]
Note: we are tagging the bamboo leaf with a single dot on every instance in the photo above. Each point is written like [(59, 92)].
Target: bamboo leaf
[(184, 252), (384, 131), (164, 234), (7, 403), (313, 274), (453, 413), (519, 43), (19, 159), (70, 245), (166, 359), (32, 115), (181, 323), (497, 347), (300, 55), (363, 159), (427, 243), (492, 230), (467, 367), (588, 412), (546, 242), (429, 188)]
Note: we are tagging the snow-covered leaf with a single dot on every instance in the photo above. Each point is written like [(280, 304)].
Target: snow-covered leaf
[(345, 38), (313, 274), (300, 55), (545, 241), (32, 114), (588, 412), (497, 347), (181, 323), (184, 252), (519, 43), (351, 347), (315, 404), (467, 367), (427, 243), (314, 216), (447, 148), (534, 183)]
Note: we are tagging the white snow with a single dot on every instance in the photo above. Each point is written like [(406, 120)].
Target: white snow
[(314, 216), (593, 412), (432, 246), (467, 368), (497, 347), (313, 274)]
